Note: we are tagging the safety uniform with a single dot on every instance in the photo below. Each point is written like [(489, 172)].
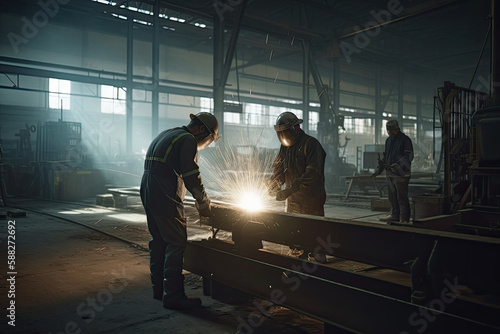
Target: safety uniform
[(301, 168), (399, 151), (170, 168)]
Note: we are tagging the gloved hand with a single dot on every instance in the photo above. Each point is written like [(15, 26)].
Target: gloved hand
[(284, 194), (272, 188), (204, 207), (395, 167)]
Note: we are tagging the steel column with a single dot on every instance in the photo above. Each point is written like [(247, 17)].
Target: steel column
[(495, 47), (221, 66), (155, 98), (305, 84), (218, 59), (378, 105), (130, 81), (400, 97)]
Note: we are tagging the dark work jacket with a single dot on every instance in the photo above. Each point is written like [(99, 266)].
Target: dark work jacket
[(302, 168), (170, 167), (398, 150)]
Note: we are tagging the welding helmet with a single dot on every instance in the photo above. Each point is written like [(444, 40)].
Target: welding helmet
[(211, 126), (287, 128)]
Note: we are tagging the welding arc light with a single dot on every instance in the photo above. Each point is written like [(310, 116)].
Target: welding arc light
[(251, 201)]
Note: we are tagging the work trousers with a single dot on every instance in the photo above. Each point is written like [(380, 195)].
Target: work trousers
[(166, 249), (397, 191)]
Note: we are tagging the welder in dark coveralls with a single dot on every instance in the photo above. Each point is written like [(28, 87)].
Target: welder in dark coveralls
[(170, 167), (300, 166), (398, 155)]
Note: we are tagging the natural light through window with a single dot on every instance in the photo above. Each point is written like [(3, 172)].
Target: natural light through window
[(59, 97), (113, 100)]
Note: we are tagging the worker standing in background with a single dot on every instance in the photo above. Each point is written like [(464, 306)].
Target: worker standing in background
[(171, 167), (300, 166), (398, 155)]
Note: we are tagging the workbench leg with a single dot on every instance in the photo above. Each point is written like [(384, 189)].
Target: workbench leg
[(349, 188)]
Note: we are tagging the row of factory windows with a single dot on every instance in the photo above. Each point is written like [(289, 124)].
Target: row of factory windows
[(113, 102)]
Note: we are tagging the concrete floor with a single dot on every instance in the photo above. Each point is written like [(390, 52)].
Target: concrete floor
[(72, 278)]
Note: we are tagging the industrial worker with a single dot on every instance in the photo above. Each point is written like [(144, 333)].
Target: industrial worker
[(171, 167), (397, 158), (299, 166)]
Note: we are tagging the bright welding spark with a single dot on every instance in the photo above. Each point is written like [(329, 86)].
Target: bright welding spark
[(251, 201), (239, 175)]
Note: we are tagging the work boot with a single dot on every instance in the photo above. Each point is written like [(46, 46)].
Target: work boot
[(389, 218), (404, 222), (174, 296), (181, 301)]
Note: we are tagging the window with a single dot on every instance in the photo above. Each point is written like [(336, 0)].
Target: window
[(254, 113), (113, 100), (359, 125), (59, 91), (206, 104), (313, 120), (232, 118)]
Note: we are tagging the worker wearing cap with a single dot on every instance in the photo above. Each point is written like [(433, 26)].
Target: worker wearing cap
[(398, 155), (171, 167)]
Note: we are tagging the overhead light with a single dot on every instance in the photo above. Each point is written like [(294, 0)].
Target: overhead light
[(119, 16)]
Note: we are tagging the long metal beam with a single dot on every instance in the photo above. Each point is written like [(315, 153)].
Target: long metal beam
[(303, 287), (475, 260)]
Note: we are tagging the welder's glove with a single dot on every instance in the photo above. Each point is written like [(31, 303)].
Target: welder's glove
[(273, 187), (395, 167), (284, 194), (204, 207)]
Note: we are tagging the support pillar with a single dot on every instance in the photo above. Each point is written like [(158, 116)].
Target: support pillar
[(130, 69), (378, 105), (305, 84), (155, 99), (400, 97), (218, 60)]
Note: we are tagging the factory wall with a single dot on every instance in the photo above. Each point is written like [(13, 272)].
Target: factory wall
[(104, 136)]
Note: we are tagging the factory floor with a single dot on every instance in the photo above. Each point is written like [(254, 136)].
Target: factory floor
[(82, 268)]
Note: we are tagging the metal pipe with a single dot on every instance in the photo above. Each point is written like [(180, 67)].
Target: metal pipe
[(495, 62)]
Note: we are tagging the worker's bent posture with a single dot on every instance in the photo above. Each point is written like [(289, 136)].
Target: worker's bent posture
[(169, 168)]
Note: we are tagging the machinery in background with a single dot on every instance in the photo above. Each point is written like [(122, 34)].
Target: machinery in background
[(469, 201), (58, 167)]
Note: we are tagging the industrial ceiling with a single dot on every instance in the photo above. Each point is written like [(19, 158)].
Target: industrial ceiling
[(446, 38)]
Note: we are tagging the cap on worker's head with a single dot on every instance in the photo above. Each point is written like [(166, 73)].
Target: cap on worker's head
[(392, 125), (208, 120), (286, 120)]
